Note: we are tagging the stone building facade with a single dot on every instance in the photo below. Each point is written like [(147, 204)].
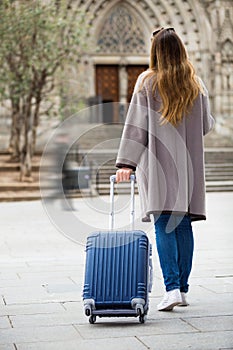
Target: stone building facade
[(119, 42)]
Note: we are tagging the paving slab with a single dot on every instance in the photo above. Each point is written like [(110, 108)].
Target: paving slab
[(194, 341), (37, 334), (131, 327), (31, 309), (37, 280), (97, 344), (7, 347), (41, 278), (50, 275), (49, 319), (211, 324), (6, 275), (23, 295), (1, 302), (197, 308), (4, 322)]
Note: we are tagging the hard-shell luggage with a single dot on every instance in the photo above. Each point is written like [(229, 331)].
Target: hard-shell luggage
[(118, 272)]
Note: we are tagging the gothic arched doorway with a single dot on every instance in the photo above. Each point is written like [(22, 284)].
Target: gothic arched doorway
[(120, 40)]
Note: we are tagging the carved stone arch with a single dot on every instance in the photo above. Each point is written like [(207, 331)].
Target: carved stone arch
[(100, 13), (227, 51), (199, 28), (139, 26), (203, 24), (184, 15)]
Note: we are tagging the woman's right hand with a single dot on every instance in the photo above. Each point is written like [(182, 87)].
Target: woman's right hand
[(123, 174)]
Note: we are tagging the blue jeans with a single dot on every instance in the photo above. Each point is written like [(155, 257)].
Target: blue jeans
[(174, 239)]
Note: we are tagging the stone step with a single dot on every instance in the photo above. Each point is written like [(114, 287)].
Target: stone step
[(19, 186), (214, 156), (220, 170), (12, 196), (219, 165), (219, 186), (99, 135), (16, 167), (218, 179), (98, 157), (219, 174)]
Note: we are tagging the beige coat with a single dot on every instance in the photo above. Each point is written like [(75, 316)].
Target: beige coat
[(169, 161)]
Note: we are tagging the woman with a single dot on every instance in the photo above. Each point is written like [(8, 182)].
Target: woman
[(163, 141)]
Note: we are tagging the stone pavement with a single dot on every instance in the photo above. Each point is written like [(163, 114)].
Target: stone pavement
[(41, 277)]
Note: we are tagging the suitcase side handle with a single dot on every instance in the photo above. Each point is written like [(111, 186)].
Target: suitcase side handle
[(132, 201)]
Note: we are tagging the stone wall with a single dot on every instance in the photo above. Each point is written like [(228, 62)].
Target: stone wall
[(204, 25)]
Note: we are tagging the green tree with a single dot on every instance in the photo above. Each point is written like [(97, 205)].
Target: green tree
[(38, 38)]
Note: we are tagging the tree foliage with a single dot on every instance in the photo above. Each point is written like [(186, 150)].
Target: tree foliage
[(37, 38)]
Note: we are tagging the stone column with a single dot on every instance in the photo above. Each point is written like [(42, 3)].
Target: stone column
[(91, 77), (123, 90), (221, 13)]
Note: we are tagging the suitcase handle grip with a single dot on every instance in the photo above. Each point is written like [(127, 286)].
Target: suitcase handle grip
[(132, 201), (113, 178)]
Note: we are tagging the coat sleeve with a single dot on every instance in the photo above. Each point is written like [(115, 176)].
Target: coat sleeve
[(208, 120), (134, 136)]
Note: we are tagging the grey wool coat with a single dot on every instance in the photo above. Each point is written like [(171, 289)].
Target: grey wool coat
[(169, 161)]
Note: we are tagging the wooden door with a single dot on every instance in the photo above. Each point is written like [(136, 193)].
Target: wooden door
[(133, 73), (107, 87)]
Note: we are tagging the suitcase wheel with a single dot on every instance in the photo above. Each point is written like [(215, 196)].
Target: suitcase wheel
[(92, 319), (141, 314), (140, 310), (142, 319), (88, 312)]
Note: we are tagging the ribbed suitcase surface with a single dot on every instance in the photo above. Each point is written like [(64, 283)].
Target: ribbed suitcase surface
[(116, 268)]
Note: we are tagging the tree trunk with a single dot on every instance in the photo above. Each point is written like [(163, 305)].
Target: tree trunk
[(39, 82), (26, 151), (35, 124), (16, 125)]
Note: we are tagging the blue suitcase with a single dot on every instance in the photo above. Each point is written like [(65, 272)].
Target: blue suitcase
[(118, 272)]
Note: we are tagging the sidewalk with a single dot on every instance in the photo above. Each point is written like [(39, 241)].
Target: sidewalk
[(41, 277)]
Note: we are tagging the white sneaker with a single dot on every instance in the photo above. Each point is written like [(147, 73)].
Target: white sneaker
[(184, 300), (171, 299)]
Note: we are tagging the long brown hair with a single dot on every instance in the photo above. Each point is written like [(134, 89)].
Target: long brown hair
[(173, 75)]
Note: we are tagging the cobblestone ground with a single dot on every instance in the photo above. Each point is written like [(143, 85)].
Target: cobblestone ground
[(41, 277)]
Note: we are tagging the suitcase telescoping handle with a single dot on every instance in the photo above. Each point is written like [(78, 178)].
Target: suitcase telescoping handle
[(132, 201)]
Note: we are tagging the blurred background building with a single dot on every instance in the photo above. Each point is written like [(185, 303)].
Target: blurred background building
[(117, 51), (120, 43)]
